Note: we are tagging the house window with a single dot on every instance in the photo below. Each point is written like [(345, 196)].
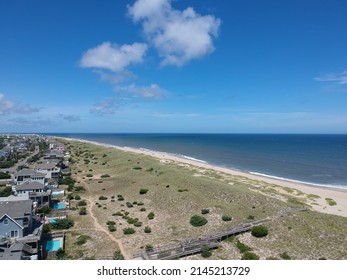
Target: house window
[(14, 233), (5, 222)]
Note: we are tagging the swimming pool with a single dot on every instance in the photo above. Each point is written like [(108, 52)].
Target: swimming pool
[(53, 245), (52, 220), (59, 206)]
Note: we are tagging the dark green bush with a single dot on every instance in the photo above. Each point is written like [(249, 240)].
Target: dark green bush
[(65, 223), (112, 228), (82, 203), (128, 231), (143, 209), (259, 231), (118, 255), (150, 215), (226, 218), (143, 191), (102, 197), (138, 224), (205, 251), (147, 229), (83, 211), (205, 211), (285, 256), (197, 221), (105, 176)]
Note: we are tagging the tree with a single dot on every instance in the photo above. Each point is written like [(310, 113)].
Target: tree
[(197, 221), (5, 192)]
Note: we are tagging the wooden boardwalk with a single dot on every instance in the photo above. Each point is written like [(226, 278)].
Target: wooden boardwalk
[(193, 246)]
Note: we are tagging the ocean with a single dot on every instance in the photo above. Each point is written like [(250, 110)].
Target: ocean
[(312, 159)]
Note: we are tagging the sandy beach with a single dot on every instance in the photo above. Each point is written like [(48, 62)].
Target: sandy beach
[(338, 195)]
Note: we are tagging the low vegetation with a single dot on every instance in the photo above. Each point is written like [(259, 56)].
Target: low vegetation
[(197, 221)]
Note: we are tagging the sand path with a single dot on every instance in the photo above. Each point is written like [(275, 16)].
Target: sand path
[(99, 227)]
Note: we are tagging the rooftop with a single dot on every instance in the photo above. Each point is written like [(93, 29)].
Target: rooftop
[(16, 209), (30, 186)]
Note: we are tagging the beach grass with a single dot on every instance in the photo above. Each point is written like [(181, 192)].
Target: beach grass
[(174, 193)]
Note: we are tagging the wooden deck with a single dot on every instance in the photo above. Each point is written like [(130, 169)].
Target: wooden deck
[(193, 246)]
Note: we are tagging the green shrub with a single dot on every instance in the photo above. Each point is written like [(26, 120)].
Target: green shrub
[(140, 203), (243, 247), (118, 255), (102, 197), (82, 239), (143, 191), (82, 203), (128, 231), (120, 198), (44, 210), (46, 228), (132, 220), (129, 205), (148, 248), (197, 221), (250, 217), (77, 197), (137, 168), (80, 189), (65, 223), (138, 224), (250, 256), (150, 215), (205, 211), (89, 175), (118, 213), (112, 228), (143, 209), (259, 231), (4, 175), (330, 201), (226, 218), (83, 211), (147, 229), (105, 176), (5, 191), (205, 251), (110, 223), (285, 256)]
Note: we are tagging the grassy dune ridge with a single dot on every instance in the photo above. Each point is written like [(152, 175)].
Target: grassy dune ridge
[(178, 191)]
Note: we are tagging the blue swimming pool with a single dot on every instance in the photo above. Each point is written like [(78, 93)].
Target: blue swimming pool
[(52, 220), (53, 245), (59, 206)]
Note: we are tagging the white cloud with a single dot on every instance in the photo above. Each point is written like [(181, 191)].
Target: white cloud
[(104, 107), (340, 78), (151, 92), (70, 118), (113, 57), (10, 107), (179, 36), (26, 109), (5, 105)]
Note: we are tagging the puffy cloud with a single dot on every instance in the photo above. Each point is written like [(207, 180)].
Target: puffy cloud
[(340, 78), (9, 107), (5, 105), (179, 36), (113, 57), (26, 109), (105, 107), (151, 92), (70, 118)]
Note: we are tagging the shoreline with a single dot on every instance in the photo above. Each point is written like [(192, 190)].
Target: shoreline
[(339, 195)]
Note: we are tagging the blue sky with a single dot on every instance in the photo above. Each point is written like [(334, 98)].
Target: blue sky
[(209, 66)]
